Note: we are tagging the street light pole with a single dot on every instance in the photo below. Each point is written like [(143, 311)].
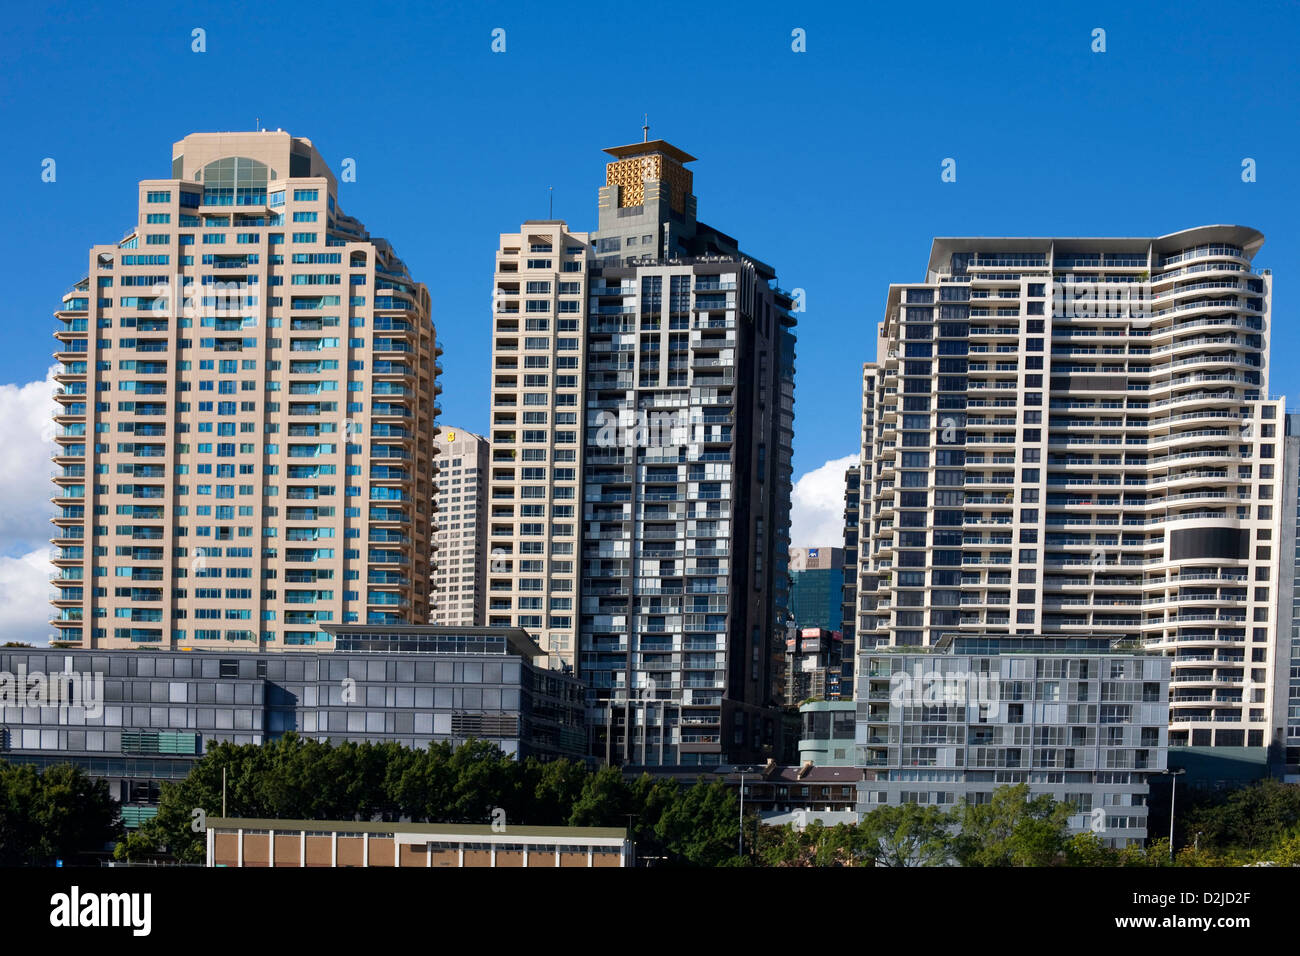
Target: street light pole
[(1173, 796), (741, 845)]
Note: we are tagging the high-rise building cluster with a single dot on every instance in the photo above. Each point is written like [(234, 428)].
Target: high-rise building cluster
[(248, 466), (1075, 509)]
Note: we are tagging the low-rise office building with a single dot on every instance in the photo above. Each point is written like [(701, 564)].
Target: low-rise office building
[(302, 843), (1084, 719), (138, 718)]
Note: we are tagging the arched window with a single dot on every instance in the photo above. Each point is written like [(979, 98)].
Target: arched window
[(235, 181)]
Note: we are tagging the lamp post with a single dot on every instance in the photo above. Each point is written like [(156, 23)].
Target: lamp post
[(1173, 776), (740, 843), (740, 847)]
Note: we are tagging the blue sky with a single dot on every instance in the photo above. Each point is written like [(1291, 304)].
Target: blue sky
[(824, 163)]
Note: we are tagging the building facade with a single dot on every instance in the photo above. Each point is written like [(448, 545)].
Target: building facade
[(1285, 759), (302, 843), (643, 389), (1084, 719), (813, 665), (539, 320), (690, 405), (247, 403), (849, 578), (459, 596), (140, 719), (816, 587), (1075, 436), (828, 733)]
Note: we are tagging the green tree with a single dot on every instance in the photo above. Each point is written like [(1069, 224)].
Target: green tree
[(906, 835), (605, 801), (1255, 817), (785, 846), (551, 788), (702, 827), (1012, 829), (52, 814)]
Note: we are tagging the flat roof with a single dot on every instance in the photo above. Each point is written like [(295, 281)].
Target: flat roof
[(517, 640), (942, 247), (653, 146), (432, 829)]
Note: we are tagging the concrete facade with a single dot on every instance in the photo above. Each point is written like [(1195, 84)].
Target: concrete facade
[(1075, 436), (1082, 719), (247, 391), (460, 539), (643, 384), (539, 319), (690, 408)]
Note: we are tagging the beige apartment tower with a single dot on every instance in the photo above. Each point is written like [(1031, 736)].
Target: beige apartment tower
[(539, 309), (247, 391), (460, 538)]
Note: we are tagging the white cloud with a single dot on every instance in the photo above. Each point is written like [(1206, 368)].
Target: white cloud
[(817, 505), (25, 597), (26, 444)]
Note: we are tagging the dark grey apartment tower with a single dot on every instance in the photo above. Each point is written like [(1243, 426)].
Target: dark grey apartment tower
[(689, 361)]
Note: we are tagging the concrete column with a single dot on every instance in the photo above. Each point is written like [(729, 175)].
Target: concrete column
[(302, 851), (241, 846), (334, 848), (270, 849)]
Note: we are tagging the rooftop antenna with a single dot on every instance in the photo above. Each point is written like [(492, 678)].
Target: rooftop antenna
[(645, 129), (257, 123), (550, 194)]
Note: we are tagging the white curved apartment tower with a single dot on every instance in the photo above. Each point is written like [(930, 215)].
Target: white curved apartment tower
[(1075, 436), (247, 387)]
